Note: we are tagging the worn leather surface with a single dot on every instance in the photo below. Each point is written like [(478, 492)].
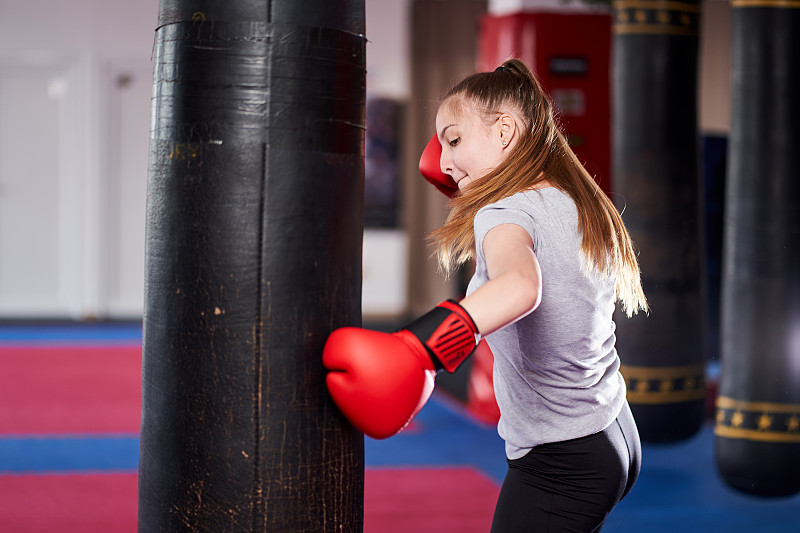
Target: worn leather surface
[(656, 186), (254, 227), (758, 415)]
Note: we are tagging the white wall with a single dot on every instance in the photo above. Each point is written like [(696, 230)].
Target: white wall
[(388, 48), (75, 87), (75, 91), (385, 269), (503, 7)]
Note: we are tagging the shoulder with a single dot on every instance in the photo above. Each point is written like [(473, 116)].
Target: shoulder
[(511, 206), (527, 204), (520, 201), (515, 209), (533, 210)]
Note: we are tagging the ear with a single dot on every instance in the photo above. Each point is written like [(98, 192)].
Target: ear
[(507, 127)]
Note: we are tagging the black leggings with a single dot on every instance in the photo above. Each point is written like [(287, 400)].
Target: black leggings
[(571, 485)]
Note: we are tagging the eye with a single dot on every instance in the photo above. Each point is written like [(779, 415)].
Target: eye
[(455, 141)]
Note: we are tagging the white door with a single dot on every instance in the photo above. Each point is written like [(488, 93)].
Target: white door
[(40, 189)]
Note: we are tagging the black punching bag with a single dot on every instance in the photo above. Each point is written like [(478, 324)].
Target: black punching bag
[(656, 187), (758, 410), (254, 227)]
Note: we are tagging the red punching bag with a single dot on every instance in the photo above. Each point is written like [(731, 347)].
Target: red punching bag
[(570, 54)]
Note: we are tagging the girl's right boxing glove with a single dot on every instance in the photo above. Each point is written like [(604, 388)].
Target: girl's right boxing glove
[(380, 381)]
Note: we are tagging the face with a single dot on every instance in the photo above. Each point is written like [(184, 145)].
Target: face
[(470, 147)]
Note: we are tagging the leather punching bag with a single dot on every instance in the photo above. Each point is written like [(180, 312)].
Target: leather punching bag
[(254, 227), (758, 410), (656, 187)]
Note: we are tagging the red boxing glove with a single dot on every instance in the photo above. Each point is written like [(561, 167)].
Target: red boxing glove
[(447, 333), (380, 381), (377, 380), (431, 169)]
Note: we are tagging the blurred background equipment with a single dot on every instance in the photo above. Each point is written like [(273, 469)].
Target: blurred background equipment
[(758, 410), (657, 187)]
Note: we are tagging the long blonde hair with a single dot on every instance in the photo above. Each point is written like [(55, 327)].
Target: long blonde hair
[(542, 153)]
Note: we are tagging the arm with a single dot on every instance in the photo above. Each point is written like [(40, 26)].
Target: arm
[(514, 288), (381, 380)]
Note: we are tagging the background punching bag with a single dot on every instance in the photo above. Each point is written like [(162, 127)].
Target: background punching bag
[(655, 185), (758, 410), (254, 227)]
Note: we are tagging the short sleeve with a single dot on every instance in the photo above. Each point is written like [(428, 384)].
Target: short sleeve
[(495, 215)]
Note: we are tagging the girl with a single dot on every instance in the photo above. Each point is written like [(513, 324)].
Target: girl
[(552, 257)]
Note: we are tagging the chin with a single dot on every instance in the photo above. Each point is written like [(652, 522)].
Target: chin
[(466, 185)]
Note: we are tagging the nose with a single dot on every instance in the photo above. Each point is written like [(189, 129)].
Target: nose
[(446, 163)]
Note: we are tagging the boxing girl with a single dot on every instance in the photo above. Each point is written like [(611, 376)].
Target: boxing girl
[(552, 258)]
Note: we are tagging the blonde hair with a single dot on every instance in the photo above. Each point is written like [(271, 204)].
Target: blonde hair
[(542, 153)]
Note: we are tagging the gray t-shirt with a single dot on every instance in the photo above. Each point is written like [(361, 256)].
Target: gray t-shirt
[(556, 371)]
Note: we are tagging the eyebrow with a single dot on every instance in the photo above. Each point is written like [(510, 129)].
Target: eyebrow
[(441, 133)]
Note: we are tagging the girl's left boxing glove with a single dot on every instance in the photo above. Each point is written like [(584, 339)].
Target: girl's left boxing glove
[(431, 169)]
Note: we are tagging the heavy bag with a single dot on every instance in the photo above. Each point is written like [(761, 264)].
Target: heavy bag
[(254, 227), (757, 432), (656, 186)]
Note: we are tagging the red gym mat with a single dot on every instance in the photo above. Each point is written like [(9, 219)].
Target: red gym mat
[(75, 389), (428, 500), (422, 500), (99, 503), (84, 390)]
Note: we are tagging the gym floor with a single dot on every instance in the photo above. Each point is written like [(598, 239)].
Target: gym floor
[(69, 415)]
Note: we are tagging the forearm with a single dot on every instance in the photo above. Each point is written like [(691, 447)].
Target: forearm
[(502, 301)]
